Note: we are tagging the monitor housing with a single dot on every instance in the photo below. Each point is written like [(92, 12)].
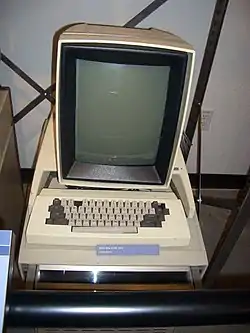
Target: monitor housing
[(141, 59)]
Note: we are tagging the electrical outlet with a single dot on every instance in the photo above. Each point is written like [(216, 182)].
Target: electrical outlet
[(206, 119)]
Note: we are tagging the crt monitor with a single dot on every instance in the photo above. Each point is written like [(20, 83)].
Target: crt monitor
[(122, 96)]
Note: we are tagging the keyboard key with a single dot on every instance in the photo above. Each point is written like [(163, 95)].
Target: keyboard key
[(85, 202), (111, 217), (118, 217), (70, 202), (82, 216), (78, 222), (71, 222), (56, 202), (99, 203), (134, 204), (131, 211), (81, 209), (75, 216), (125, 216), (150, 220), (131, 217), (127, 204), (108, 230), (49, 221), (95, 210), (103, 210), (74, 209), (139, 217), (137, 224), (155, 204), (113, 204), (110, 210), (88, 210), (68, 216), (123, 211), (57, 215), (122, 223), (64, 202), (67, 209), (91, 216), (53, 208), (115, 223), (141, 204), (78, 203)]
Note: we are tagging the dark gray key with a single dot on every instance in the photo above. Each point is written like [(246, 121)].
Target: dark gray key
[(56, 202), (165, 211), (49, 221), (57, 221), (77, 203), (57, 215), (150, 221), (155, 204), (61, 221), (160, 210), (56, 208)]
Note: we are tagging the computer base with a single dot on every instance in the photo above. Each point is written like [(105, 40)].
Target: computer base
[(34, 257)]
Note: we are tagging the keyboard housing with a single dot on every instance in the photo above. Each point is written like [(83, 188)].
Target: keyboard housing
[(172, 231)]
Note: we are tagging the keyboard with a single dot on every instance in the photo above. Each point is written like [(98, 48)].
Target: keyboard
[(107, 216), (84, 218)]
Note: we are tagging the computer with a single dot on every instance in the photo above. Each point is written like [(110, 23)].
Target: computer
[(121, 103), (122, 189)]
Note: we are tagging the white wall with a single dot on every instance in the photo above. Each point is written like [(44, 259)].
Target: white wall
[(27, 28), (226, 147)]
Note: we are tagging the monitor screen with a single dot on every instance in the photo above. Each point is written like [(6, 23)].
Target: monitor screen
[(119, 112)]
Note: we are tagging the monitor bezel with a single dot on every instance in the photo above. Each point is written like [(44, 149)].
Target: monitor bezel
[(152, 175)]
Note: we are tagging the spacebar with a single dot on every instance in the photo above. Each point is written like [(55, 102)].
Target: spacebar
[(107, 230)]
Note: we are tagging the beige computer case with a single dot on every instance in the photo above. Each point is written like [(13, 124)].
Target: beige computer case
[(103, 34)]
